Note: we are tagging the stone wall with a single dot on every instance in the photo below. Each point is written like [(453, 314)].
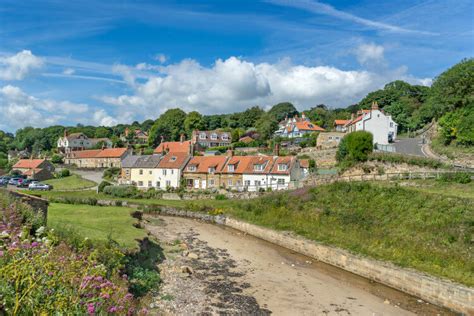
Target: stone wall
[(437, 291), (38, 204)]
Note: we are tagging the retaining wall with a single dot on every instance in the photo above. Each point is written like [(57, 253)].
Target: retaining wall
[(437, 291)]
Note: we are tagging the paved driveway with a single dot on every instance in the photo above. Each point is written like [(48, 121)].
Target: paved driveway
[(409, 146)]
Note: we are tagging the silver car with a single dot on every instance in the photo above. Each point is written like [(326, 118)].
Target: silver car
[(39, 186)]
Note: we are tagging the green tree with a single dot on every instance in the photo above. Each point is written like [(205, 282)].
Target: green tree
[(193, 121), (170, 125), (279, 111), (266, 126), (355, 146)]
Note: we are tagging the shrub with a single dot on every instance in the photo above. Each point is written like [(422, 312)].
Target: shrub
[(57, 158), (137, 214), (355, 146), (411, 160), (122, 191), (110, 173), (459, 177), (104, 184), (221, 197), (64, 173)]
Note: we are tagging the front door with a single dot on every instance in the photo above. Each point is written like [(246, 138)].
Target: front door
[(196, 184), (203, 184)]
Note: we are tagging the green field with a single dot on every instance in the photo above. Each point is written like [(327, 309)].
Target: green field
[(73, 182), (96, 222)]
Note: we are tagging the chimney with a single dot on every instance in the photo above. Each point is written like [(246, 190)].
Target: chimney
[(375, 106), (229, 153), (181, 138), (303, 116), (352, 116), (127, 131), (162, 139), (276, 150)]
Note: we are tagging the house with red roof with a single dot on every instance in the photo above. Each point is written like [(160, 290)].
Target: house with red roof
[(183, 146), (297, 127), (203, 172), (97, 158), (37, 169), (340, 125)]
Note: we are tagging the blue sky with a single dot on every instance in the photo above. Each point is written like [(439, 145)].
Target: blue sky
[(104, 62)]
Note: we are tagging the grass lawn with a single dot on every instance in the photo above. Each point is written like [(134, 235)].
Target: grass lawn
[(452, 151), (448, 189), (73, 182), (96, 222)]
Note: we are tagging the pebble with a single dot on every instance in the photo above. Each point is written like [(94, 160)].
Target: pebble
[(386, 302), (193, 255)]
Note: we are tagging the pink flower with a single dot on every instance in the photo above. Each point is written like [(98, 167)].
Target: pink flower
[(105, 295), (112, 309), (90, 309)]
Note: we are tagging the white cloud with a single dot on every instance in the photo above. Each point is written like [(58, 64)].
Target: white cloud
[(162, 58), (103, 119), (370, 54), (18, 66), (20, 109), (68, 71), (234, 84)]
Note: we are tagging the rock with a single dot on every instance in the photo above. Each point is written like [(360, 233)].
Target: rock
[(185, 253), (419, 301), (386, 302), (193, 255), (187, 269)]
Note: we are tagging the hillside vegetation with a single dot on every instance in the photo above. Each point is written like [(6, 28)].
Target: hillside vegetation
[(412, 228)]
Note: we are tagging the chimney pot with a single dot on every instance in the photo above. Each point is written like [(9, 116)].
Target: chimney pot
[(181, 138), (276, 150)]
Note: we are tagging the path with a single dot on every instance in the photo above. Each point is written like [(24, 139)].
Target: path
[(240, 274), (409, 146)]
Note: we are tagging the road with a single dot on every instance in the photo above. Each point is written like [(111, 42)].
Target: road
[(92, 175), (266, 277), (409, 146)]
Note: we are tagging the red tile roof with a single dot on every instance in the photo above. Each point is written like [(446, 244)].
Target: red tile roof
[(240, 164), (174, 147), (28, 163), (267, 161), (341, 122), (304, 163), (308, 126), (288, 160), (174, 160), (32, 171), (91, 153), (112, 153), (203, 163)]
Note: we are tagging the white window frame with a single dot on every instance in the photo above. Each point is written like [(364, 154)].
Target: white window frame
[(140, 183), (168, 183), (140, 172), (258, 167), (230, 168), (230, 182), (164, 172), (150, 183), (214, 136), (202, 136), (192, 168), (282, 167), (211, 170), (280, 181)]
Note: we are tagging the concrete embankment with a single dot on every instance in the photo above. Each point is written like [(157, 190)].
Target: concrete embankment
[(438, 291)]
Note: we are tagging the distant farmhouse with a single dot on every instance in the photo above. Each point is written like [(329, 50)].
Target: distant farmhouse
[(36, 169), (382, 127), (96, 158), (79, 141), (297, 127), (136, 136), (206, 139)]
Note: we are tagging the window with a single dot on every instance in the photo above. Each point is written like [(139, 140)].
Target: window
[(229, 182), (150, 172), (158, 184), (238, 183), (212, 169), (213, 136), (140, 172), (225, 137), (258, 167), (338, 138), (140, 183), (191, 168), (211, 182), (202, 136), (173, 158), (172, 171), (310, 125), (282, 167), (164, 172), (127, 172), (391, 124), (258, 183), (149, 184), (330, 137), (281, 181), (168, 183), (247, 183), (231, 168)]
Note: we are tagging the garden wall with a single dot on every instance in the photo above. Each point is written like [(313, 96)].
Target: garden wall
[(437, 291), (38, 204)]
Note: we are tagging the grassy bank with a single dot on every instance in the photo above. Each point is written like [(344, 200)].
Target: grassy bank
[(96, 223), (429, 232), (73, 182)]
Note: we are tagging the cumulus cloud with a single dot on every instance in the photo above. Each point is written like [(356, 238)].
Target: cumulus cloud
[(18, 66), (161, 58), (20, 109), (103, 119), (68, 71), (370, 54), (234, 84)]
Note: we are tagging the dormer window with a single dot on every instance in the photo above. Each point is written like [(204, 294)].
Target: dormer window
[(173, 158), (213, 136), (192, 168), (258, 167), (231, 168), (225, 137), (202, 136), (211, 169), (310, 125), (282, 167)]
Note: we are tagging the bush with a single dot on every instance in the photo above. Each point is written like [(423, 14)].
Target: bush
[(458, 177), (64, 173), (221, 197), (57, 158), (355, 146), (411, 160), (121, 191), (103, 184), (110, 173)]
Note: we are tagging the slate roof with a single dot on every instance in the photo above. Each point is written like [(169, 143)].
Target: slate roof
[(147, 161), (129, 161)]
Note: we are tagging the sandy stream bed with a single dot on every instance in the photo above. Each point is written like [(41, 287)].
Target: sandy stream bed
[(212, 270)]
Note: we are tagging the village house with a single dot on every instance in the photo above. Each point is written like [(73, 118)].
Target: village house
[(232, 172), (285, 170), (183, 146), (340, 125), (206, 139), (169, 170), (36, 169), (144, 171), (79, 141), (135, 136), (97, 158), (127, 164), (18, 154), (255, 174), (375, 121), (297, 127), (203, 172), (329, 140)]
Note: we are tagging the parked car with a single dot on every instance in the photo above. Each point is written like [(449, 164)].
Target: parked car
[(15, 181), (25, 183), (39, 186), (4, 181)]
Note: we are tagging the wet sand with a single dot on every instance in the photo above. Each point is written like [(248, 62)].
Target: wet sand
[(268, 278)]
